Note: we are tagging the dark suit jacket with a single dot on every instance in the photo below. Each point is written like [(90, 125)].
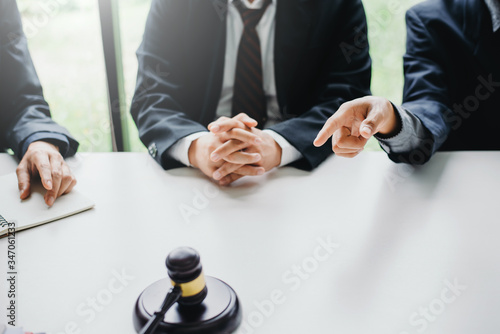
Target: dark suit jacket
[(452, 76), (23, 110), (321, 61)]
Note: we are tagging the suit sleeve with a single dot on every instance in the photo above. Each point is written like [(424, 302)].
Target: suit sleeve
[(426, 92), (23, 110), (410, 136), (346, 75), (157, 108)]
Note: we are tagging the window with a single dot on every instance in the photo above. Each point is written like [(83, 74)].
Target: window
[(133, 15), (66, 44)]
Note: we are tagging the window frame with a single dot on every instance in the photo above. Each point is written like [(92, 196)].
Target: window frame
[(112, 51)]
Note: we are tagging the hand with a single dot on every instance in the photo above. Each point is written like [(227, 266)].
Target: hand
[(44, 159), (239, 140), (201, 149), (355, 122)]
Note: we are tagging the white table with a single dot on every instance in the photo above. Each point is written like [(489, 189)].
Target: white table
[(403, 238)]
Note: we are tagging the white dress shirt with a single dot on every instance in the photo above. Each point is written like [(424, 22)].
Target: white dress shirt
[(266, 32)]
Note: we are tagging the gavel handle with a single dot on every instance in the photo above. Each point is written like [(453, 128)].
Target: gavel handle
[(172, 297)]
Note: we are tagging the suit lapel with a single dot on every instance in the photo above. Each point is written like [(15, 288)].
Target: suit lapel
[(213, 30), (293, 22)]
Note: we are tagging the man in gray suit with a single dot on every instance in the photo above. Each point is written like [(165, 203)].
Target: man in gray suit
[(25, 123), (451, 93)]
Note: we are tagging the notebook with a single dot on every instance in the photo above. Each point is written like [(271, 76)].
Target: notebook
[(33, 211)]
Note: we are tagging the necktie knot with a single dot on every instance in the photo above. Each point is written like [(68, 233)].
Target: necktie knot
[(251, 17)]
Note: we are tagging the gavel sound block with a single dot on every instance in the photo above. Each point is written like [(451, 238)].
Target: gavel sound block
[(204, 304)]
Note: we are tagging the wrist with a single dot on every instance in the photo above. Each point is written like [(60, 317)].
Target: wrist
[(392, 124), (278, 153), (42, 144), (193, 148)]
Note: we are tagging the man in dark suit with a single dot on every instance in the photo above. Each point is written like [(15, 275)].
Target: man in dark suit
[(451, 93), (282, 65), (25, 123)]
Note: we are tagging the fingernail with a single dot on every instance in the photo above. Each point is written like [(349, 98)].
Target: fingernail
[(249, 120), (49, 184), (217, 175), (258, 141), (51, 200), (367, 129), (257, 157), (260, 172), (215, 128), (215, 157)]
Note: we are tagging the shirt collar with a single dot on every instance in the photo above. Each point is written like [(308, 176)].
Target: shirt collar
[(494, 8), (257, 4)]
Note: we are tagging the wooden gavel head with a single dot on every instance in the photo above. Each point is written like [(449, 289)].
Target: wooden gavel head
[(196, 310), (185, 271)]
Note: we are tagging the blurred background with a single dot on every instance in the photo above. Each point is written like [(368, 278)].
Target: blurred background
[(65, 41)]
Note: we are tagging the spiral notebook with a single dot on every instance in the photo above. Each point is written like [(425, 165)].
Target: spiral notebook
[(33, 211)]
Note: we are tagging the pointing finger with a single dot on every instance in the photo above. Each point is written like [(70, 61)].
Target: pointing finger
[(332, 125), (335, 122)]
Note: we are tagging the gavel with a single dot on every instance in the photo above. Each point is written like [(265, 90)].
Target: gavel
[(191, 301)]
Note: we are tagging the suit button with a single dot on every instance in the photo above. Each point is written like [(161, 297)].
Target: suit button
[(153, 151)]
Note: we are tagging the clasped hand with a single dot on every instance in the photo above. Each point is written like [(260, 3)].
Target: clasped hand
[(234, 148)]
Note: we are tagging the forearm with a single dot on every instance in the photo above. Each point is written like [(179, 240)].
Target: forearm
[(23, 109), (34, 125), (342, 76)]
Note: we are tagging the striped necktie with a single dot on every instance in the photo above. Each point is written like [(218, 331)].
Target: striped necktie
[(248, 94)]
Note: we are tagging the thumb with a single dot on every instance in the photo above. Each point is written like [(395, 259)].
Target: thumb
[(370, 125)]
